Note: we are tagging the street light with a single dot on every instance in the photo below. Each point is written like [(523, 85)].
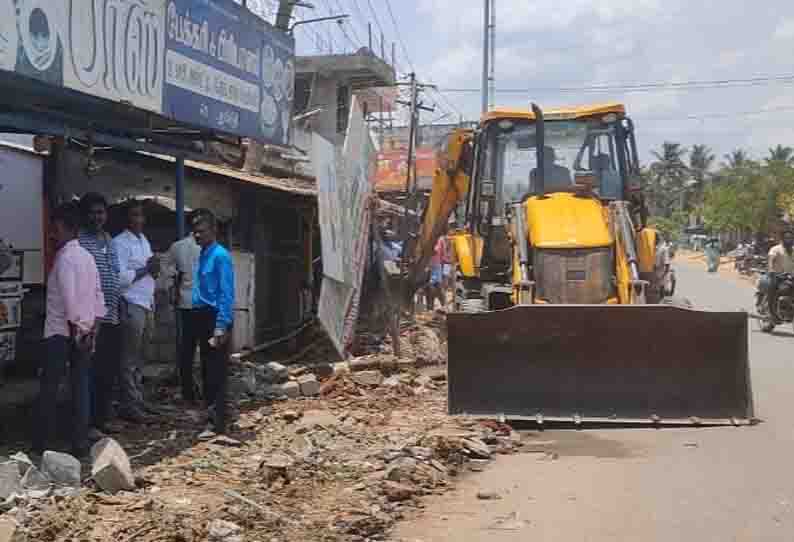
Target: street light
[(338, 18)]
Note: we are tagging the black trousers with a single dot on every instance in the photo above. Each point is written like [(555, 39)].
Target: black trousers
[(60, 356), (198, 326), (107, 367)]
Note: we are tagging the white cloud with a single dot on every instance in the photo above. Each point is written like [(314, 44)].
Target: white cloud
[(579, 43)]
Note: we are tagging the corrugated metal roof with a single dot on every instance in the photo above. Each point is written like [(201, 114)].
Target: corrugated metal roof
[(294, 186), (299, 187)]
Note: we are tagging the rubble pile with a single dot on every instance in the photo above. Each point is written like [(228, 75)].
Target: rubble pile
[(319, 452), (342, 466)]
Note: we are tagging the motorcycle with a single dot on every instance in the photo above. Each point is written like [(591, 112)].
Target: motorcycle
[(784, 306)]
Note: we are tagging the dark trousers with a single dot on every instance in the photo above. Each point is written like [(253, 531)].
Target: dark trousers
[(106, 368), (60, 353), (198, 326)]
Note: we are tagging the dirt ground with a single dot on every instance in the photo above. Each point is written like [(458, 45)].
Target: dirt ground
[(344, 465)]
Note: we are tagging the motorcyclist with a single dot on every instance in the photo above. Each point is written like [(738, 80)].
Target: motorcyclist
[(781, 260)]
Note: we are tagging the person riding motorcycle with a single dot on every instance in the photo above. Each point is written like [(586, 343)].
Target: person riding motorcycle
[(781, 260)]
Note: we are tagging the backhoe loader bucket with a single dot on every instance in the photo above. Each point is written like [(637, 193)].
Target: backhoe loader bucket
[(601, 363)]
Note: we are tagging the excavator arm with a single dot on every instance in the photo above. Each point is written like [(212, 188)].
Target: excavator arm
[(450, 186)]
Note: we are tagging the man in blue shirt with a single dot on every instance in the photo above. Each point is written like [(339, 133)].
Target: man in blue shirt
[(210, 320)]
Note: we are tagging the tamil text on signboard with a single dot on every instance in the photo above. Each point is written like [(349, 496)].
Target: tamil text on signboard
[(208, 63)]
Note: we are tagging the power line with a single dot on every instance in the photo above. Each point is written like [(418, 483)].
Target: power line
[(375, 17), (720, 115), (399, 35), (646, 87)]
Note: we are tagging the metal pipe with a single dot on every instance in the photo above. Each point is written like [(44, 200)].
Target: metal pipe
[(540, 142), (180, 197), (485, 55)]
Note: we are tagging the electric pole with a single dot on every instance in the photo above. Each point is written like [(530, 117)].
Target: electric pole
[(410, 203)]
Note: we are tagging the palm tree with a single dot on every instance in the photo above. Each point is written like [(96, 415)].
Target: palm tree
[(737, 158), (667, 177), (700, 161), (780, 155)]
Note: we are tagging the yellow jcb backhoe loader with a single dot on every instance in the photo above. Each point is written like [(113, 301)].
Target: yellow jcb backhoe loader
[(558, 312)]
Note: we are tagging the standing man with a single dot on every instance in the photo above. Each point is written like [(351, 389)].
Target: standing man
[(183, 257), (138, 269), (210, 321), (74, 303), (94, 239)]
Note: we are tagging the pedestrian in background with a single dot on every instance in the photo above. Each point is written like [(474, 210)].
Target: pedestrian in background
[(74, 303), (182, 260), (138, 269), (209, 323), (105, 366)]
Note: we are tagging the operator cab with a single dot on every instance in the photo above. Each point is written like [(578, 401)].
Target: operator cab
[(589, 150)]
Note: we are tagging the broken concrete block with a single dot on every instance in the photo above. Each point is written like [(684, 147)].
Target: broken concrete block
[(319, 418), (35, 479), (61, 468), (110, 467), (275, 373), (396, 491), (367, 378), (23, 461), (9, 480), (309, 385), (224, 531), (301, 446), (290, 389), (476, 448), (392, 382)]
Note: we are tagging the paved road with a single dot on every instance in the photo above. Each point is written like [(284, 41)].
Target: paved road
[(713, 484)]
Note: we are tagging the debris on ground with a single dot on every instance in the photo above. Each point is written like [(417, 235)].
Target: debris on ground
[(353, 453), (485, 495)]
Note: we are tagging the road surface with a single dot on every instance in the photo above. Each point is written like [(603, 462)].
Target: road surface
[(690, 484)]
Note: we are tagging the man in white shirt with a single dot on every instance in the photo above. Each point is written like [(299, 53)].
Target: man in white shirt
[(182, 260), (138, 269)]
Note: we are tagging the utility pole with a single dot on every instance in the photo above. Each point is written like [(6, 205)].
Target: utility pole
[(486, 55), (411, 187)]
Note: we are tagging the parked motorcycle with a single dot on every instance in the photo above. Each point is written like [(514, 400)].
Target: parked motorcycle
[(784, 307)]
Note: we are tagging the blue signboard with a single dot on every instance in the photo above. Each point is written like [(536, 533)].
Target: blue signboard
[(225, 69), (209, 63)]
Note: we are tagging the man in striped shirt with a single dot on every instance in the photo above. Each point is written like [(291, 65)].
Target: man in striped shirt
[(106, 366)]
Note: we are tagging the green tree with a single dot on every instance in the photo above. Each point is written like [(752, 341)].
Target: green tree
[(665, 180), (737, 159), (701, 160), (780, 156)]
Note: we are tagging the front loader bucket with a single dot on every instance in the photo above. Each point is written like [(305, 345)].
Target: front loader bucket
[(601, 363)]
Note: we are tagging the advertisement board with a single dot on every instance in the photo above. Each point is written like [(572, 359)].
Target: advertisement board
[(345, 190), (208, 63)]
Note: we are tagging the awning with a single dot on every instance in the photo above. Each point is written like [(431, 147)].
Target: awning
[(299, 187)]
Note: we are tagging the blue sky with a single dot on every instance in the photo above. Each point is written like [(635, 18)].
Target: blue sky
[(544, 44)]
